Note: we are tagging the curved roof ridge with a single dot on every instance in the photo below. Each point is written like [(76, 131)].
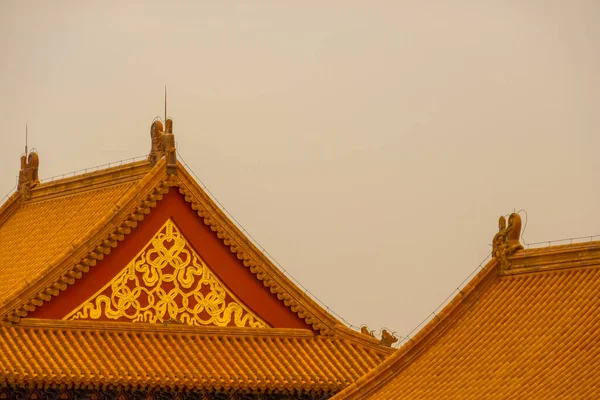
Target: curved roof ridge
[(93, 169)]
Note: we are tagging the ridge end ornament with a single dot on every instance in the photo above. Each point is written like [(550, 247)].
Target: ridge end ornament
[(506, 241), (28, 174), (387, 338), (163, 145), (365, 331)]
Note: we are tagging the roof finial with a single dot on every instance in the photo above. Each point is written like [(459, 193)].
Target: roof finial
[(506, 241), (28, 175), (387, 338), (165, 103), (163, 145)]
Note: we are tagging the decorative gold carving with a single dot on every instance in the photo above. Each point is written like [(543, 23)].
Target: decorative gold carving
[(163, 144), (28, 175), (168, 282), (506, 241), (387, 339)]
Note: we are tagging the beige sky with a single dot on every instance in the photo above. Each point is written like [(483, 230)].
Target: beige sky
[(369, 146)]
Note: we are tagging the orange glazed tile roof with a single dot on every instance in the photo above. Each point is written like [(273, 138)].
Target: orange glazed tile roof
[(531, 331), (52, 234), (177, 356), (36, 231)]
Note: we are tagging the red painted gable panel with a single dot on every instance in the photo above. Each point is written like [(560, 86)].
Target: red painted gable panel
[(222, 262)]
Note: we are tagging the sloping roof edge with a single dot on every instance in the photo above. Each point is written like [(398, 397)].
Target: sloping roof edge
[(378, 376), (10, 206), (535, 260), (264, 270)]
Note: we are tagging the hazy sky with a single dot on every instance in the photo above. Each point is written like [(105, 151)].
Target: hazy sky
[(369, 146)]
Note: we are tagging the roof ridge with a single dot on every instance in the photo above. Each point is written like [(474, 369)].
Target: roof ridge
[(99, 178), (142, 327), (93, 169), (252, 258), (13, 195), (364, 340), (576, 255)]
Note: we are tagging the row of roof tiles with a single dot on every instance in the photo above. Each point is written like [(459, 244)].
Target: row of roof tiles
[(87, 353)]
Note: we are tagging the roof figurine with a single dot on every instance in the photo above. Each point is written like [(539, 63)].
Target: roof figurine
[(163, 145), (365, 331), (506, 241), (28, 175), (387, 338)]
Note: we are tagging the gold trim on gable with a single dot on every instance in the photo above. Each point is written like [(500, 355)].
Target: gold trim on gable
[(167, 282)]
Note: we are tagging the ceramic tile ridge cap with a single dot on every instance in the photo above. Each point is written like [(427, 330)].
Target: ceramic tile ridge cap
[(72, 185), (560, 248), (110, 176), (391, 366), (76, 250), (140, 327), (573, 255)]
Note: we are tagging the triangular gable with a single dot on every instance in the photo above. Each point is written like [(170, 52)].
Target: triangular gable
[(226, 268), (166, 282)]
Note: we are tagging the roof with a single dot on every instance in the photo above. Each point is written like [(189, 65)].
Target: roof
[(115, 200), (179, 356), (69, 243), (525, 330), (59, 212)]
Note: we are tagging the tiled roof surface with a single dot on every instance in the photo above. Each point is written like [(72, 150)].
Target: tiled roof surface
[(92, 353), (522, 335), (74, 222), (50, 225)]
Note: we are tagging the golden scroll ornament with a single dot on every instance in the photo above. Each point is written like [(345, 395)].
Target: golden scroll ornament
[(167, 282)]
